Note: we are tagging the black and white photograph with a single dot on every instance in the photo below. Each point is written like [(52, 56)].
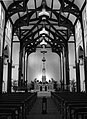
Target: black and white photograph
[(43, 59)]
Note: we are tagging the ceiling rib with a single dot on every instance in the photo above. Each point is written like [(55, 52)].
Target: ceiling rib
[(56, 25)]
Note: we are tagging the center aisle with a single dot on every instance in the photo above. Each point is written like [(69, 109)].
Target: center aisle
[(36, 111)]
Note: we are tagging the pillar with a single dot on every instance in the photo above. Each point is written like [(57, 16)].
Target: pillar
[(60, 71), (78, 77), (26, 68), (67, 67), (9, 82), (85, 58), (1, 79), (20, 68), (9, 78), (77, 68), (63, 83), (1, 57), (85, 63)]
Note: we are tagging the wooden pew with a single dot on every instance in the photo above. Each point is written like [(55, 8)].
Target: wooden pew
[(71, 102), (7, 113), (18, 103)]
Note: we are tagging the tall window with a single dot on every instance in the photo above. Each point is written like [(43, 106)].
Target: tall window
[(8, 29), (1, 16), (86, 14), (78, 29), (0, 12), (84, 18)]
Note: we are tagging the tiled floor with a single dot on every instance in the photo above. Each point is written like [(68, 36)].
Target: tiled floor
[(36, 111)]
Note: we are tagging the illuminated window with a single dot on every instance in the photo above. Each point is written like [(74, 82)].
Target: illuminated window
[(1, 16), (86, 14), (84, 19), (0, 9), (78, 29), (8, 29)]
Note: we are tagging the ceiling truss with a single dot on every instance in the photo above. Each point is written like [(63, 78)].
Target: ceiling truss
[(56, 26)]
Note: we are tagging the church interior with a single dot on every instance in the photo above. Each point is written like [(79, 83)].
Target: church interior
[(43, 59)]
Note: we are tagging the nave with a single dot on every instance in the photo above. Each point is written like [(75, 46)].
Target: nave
[(61, 105), (43, 50), (36, 111), (26, 106)]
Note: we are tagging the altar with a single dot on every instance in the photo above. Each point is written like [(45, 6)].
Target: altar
[(43, 88)]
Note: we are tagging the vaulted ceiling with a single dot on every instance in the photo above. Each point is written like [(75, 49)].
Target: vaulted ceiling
[(59, 25)]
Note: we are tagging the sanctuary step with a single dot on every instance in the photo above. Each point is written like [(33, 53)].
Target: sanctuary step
[(43, 93)]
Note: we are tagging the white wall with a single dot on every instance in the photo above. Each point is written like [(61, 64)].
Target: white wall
[(35, 66)]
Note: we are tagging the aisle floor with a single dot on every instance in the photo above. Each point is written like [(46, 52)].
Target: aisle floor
[(36, 111)]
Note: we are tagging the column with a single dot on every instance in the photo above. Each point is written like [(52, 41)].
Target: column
[(1, 79), (67, 67), (24, 66), (85, 58), (26, 69), (63, 83), (1, 57), (9, 78), (60, 71), (10, 66), (20, 68), (78, 77), (77, 68)]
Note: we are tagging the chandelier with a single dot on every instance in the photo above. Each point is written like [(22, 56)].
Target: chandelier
[(44, 14), (43, 32), (43, 42)]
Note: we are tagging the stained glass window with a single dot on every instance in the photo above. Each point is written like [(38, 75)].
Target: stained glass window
[(8, 29)]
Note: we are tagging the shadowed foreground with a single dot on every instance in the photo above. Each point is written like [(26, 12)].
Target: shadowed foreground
[(36, 111)]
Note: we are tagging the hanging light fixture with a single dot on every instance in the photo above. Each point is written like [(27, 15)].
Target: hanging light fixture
[(44, 14), (43, 32), (43, 42)]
